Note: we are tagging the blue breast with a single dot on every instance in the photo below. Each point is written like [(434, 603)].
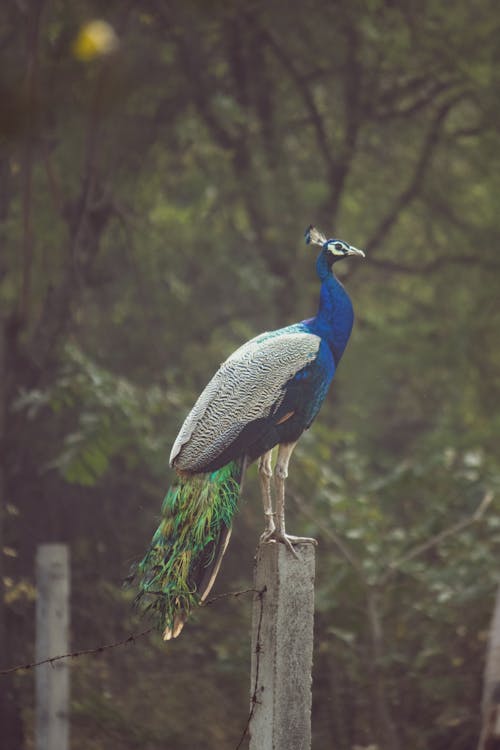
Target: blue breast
[(333, 323), (314, 381)]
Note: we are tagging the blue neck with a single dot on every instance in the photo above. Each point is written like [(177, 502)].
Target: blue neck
[(335, 316)]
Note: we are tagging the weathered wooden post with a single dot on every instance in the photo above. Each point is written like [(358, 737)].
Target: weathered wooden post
[(490, 730), (282, 648), (52, 623)]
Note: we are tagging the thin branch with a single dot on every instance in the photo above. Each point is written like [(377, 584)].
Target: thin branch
[(403, 89), (84, 238), (343, 548), (353, 104), (411, 108), (471, 132), (301, 84), (384, 264), (33, 33), (53, 181), (394, 566), (410, 192), (188, 49)]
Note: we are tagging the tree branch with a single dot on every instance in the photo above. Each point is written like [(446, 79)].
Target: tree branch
[(343, 548), (188, 50), (394, 566), (33, 20), (419, 102), (86, 217), (410, 192), (385, 264), (300, 82)]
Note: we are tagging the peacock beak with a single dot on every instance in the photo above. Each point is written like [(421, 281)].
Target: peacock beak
[(354, 251)]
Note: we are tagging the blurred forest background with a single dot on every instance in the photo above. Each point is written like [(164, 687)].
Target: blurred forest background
[(154, 190)]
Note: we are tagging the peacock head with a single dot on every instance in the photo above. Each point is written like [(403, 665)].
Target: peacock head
[(334, 249)]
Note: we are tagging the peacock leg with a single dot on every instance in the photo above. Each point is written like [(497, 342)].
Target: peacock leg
[(265, 475), (281, 473)]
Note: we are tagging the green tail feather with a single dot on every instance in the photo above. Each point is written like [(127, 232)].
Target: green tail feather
[(196, 518)]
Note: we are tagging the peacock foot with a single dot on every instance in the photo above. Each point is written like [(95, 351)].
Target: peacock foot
[(275, 535)]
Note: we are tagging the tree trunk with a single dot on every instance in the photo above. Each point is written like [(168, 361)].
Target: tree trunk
[(10, 719), (490, 731), (386, 729)]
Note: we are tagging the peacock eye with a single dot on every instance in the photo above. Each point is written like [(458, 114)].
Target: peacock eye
[(339, 246)]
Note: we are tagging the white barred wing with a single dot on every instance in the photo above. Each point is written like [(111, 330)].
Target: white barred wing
[(247, 386)]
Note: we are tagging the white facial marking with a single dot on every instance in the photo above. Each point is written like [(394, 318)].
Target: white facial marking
[(338, 247)]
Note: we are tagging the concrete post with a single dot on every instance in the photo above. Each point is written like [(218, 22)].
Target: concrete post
[(52, 622), (282, 648)]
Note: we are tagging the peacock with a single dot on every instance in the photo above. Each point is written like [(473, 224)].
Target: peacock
[(265, 394)]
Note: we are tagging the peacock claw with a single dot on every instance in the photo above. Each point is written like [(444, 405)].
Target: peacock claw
[(278, 536), (267, 535)]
